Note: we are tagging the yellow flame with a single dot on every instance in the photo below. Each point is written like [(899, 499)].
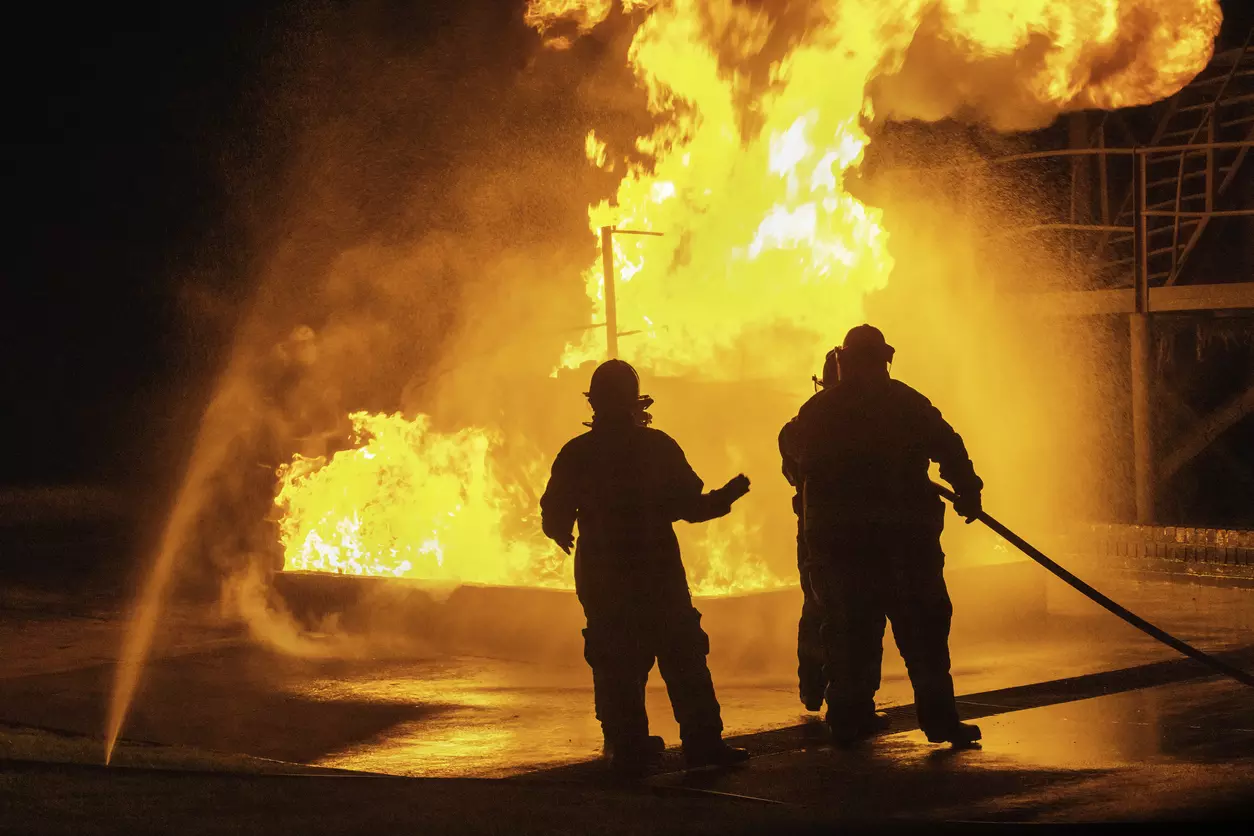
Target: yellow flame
[(585, 13), (765, 255), (410, 502), (721, 564), (594, 149), (762, 238), (406, 500)]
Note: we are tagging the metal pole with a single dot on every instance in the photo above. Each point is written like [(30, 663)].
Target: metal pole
[(1081, 180), (611, 306), (1210, 161), (1140, 236), (1101, 168), (1142, 439), (1139, 344)]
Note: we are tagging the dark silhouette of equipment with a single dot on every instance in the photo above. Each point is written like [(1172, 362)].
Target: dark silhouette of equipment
[(1093, 595)]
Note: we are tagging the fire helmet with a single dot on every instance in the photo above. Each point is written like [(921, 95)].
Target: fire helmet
[(865, 343), (831, 371), (616, 386)]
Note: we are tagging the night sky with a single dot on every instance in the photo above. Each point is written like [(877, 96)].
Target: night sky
[(128, 127), (119, 118)]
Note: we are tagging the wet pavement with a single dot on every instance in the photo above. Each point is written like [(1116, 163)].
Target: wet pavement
[(1083, 717), (1143, 753)]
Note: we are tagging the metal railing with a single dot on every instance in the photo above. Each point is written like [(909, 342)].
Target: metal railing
[(1149, 243)]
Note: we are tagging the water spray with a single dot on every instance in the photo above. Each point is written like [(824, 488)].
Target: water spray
[(140, 633), (1093, 595)]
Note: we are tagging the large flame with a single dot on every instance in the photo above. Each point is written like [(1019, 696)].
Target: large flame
[(413, 502), (762, 122), (763, 245)]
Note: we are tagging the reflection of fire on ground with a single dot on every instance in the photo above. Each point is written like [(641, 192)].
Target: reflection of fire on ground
[(766, 258)]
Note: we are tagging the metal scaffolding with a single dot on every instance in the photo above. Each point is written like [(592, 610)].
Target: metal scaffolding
[(1143, 244), (1139, 215)]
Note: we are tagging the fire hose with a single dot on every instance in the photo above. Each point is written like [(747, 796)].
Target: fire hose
[(1092, 594)]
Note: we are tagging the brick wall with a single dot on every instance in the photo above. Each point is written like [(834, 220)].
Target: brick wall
[(1174, 549)]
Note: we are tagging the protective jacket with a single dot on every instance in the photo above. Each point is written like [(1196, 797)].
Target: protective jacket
[(626, 485), (862, 450), (872, 525), (791, 467)]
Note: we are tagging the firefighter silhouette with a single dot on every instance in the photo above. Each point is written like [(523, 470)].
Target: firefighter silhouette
[(872, 525), (626, 484)]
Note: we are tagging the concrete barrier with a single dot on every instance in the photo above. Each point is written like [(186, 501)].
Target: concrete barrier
[(751, 632)]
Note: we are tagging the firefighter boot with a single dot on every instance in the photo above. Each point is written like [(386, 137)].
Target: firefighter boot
[(961, 735), (847, 731), (633, 759), (713, 752)]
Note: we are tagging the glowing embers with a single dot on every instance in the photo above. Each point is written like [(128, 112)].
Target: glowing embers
[(416, 503)]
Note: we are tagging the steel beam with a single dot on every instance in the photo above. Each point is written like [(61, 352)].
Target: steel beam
[(1174, 299), (1206, 431), (611, 308)]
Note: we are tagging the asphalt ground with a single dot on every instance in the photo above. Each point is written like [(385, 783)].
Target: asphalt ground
[(1084, 720)]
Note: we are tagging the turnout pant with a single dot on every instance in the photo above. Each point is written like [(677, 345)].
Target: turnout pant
[(810, 654), (631, 626), (865, 575)]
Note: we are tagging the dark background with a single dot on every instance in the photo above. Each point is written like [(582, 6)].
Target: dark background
[(142, 143), (122, 124)]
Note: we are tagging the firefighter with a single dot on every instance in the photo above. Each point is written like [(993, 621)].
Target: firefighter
[(873, 522), (811, 677), (625, 484)]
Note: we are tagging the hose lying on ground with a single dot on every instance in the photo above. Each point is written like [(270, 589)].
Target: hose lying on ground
[(1124, 613)]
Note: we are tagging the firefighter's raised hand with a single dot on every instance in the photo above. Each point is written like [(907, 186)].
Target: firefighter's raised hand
[(737, 487)]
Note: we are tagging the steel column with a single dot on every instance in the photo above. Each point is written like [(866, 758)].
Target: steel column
[(1139, 340), (611, 306)]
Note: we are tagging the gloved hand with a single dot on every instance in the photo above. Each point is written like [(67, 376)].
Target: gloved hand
[(566, 541), (968, 507), (735, 488)]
